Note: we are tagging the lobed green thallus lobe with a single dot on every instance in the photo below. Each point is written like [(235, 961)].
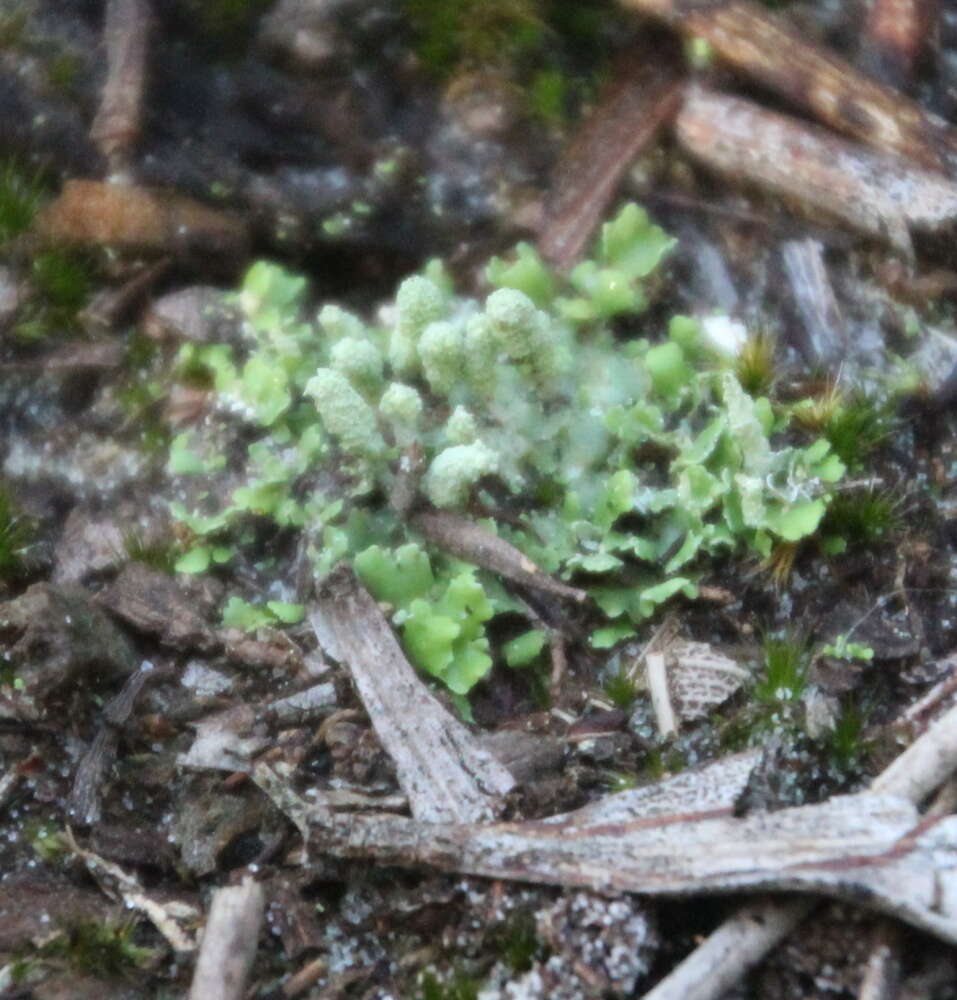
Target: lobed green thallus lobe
[(624, 456)]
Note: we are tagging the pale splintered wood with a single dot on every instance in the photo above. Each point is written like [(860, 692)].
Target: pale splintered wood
[(445, 773), (230, 939)]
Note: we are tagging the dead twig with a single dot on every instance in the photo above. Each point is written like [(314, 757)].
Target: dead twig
[(118, 122), (730, 951), (473, 544), (644, 95), (229, 942)]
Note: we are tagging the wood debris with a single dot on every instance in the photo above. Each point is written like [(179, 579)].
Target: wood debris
[(915, 773), (118, 121), (895, 37), (230, 940), (856, 846), (715, 966), (173, 918), (474, 544), (139, 220), (711, 789), (877, 194), (821, 336), (83, 804), (766, 49), (158, 604), (643, 96), (442, 768)]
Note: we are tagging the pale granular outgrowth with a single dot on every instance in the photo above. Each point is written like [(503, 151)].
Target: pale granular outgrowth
[(455, 470), (442, 353), (524, 332), (338, 323), (345, 414), (401, 404), (418, 302), (516, 322), (461, 427), (402, 407), (359, 360), (481, 350)]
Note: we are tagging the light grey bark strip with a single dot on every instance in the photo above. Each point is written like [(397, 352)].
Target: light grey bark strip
[(736, 946), (229, 942), (914, 774), (445, 773)]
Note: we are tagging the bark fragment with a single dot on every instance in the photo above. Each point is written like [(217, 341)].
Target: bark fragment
[(442, 768), (118, 121), (643, 96), (766, 49), (878, 194)]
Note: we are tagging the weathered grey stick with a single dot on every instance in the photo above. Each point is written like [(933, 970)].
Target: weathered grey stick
[(914, 774), (854, 847), (925, 764), (443, 770), (229, 942), (737, 945)]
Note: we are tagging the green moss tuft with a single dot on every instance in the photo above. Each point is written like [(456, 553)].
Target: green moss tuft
[(620, 689), (786, 661), (863, 516), (21, 194), (754, 365), (16, 535)]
